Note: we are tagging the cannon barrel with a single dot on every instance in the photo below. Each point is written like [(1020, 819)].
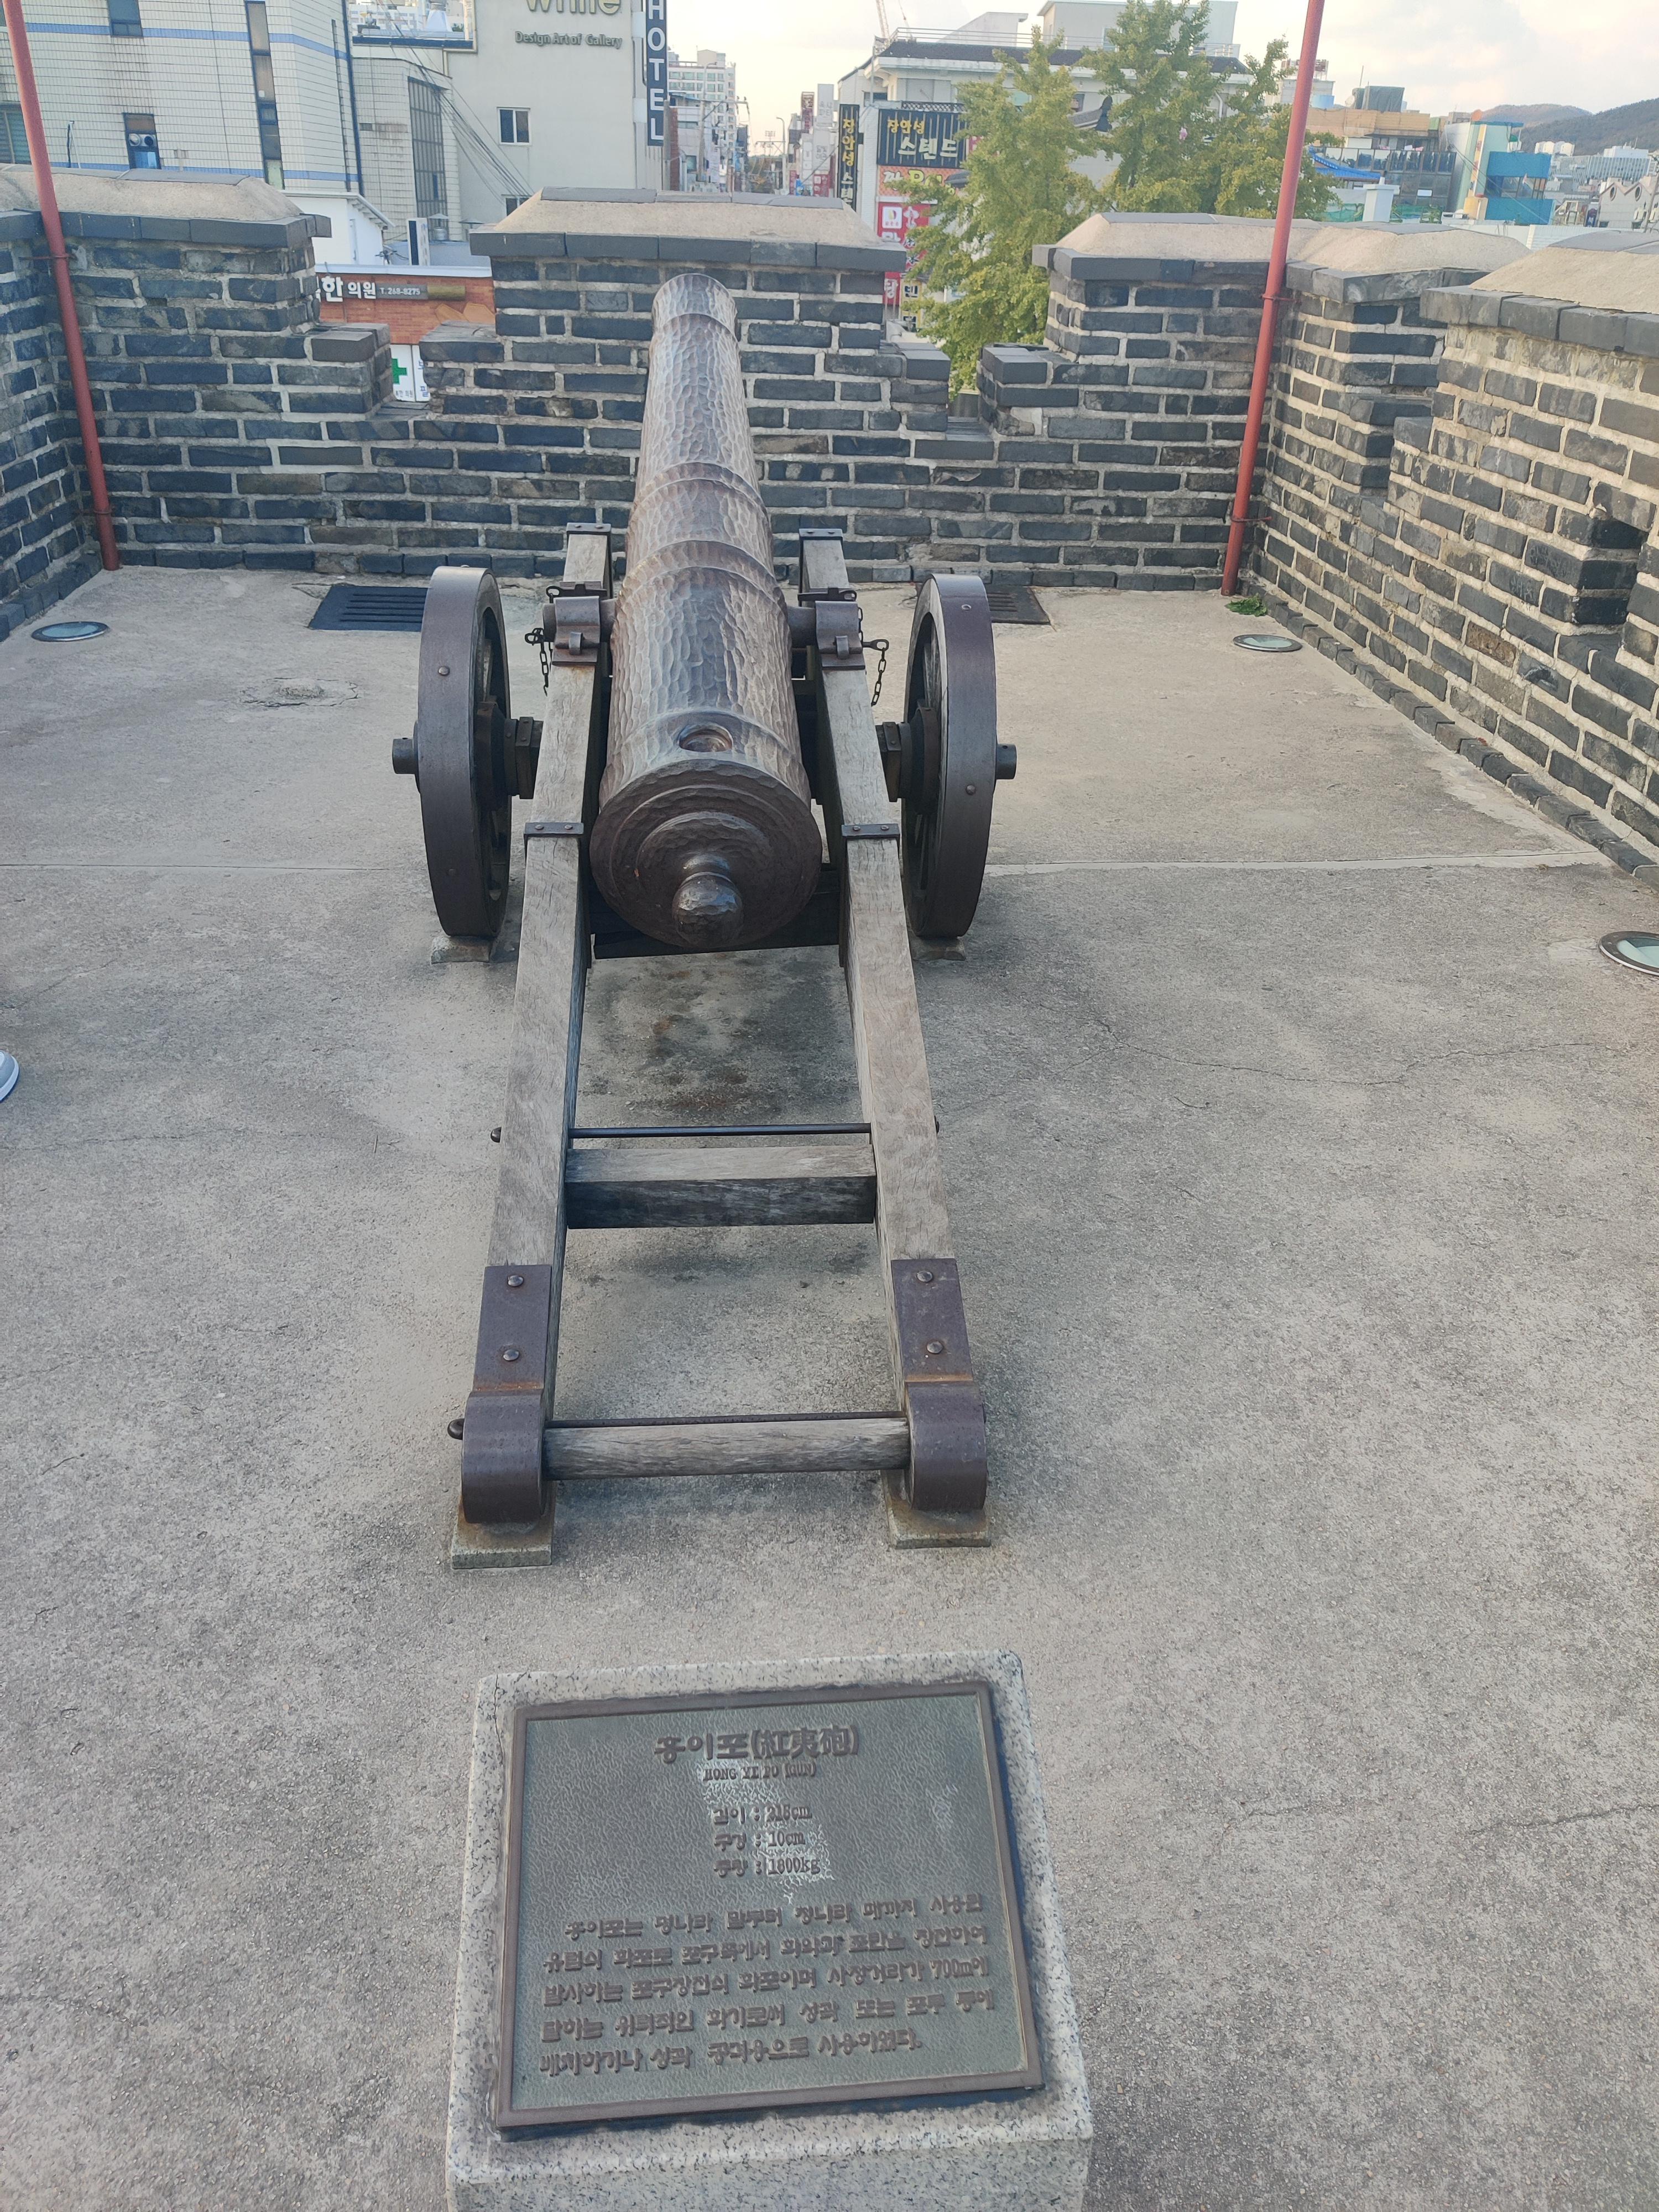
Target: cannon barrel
[(705, 837)]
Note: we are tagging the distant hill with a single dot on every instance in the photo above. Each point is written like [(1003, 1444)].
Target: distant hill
[(1634, 125), (1538, 116)]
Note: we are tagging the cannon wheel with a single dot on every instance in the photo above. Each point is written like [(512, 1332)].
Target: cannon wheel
[(948, 771), (464, 744)]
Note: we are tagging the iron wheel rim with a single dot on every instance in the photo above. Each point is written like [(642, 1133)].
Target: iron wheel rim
[(951, 686), (463, 741)]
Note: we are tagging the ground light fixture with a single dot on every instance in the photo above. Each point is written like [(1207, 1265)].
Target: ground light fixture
[(68, 633), (1268, 640), (1633, 948)]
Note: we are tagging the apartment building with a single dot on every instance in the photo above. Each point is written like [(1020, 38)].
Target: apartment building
[(453, 112)]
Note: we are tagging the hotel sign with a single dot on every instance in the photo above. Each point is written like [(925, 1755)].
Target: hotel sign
[(656, 72)]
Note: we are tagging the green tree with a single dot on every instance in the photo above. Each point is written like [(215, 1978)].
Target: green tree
[(1186, 142), (1022, 189)]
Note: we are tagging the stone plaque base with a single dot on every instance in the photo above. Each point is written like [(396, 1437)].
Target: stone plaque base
[(1025, 2149)]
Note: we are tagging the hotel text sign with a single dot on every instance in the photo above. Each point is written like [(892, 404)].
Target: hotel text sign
[(656, 70)]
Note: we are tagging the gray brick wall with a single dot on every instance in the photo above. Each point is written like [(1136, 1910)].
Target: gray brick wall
[(542, 415), (239, 429), (1460, 490), (1457, 495), (43, 497)]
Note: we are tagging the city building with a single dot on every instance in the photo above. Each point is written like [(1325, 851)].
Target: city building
[(1324, 94), (1497, 180), (369, 112), (811, 142), (1090, 22), (705, 91)]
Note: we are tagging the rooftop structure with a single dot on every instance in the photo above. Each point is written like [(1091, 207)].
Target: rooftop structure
[(1090, 23)]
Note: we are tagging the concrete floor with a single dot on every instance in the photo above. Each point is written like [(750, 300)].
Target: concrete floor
[(1303, 1192)]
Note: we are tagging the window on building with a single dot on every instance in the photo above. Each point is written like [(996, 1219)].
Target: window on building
[(514, 200), (143, 151), (264, 92), (426, 146), (14, 139), (515, 126), (125, 21)]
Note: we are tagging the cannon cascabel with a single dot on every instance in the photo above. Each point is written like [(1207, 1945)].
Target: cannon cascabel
[(706, 836)]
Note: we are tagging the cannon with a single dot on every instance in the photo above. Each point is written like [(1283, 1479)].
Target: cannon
[(708, 776)]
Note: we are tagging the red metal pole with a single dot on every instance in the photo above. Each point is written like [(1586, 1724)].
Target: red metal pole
[(1291, 177), (57, 254)]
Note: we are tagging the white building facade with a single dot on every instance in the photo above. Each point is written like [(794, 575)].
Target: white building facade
[(705, 90), (452, 113)]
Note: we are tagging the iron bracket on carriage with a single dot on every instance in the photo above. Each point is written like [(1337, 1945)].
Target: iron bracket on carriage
[(708, 776)]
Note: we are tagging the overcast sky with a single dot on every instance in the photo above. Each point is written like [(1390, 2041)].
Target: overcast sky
[(1447, 53)]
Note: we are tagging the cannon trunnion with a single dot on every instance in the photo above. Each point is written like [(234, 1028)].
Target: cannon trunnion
[(694, 721)]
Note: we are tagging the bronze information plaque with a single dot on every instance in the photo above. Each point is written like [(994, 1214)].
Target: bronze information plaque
[(764, 1898)]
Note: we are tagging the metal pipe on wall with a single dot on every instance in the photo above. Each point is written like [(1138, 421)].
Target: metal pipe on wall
[(1290, 178), (57, 254)]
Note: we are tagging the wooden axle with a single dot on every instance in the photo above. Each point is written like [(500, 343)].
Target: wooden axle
[(802, 1443)]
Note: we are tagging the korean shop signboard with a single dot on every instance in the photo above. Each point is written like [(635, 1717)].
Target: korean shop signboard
[(920, 138), (847, 153)]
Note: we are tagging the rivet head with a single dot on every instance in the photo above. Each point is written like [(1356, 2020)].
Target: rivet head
[(924, 1274), (515, 1282), (510, 1353), (443, 671), (970, 788), (935, 1348)]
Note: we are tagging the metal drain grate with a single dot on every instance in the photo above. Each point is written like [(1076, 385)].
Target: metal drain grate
[(1015, 602), (371, 606)]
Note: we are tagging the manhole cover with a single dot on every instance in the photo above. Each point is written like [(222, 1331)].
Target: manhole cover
[(1015, 602), (1633, 948), (1268, 640), (371, 606), (69, 632)]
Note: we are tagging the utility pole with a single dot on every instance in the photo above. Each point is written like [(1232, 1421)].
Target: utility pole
[(1290, 178)]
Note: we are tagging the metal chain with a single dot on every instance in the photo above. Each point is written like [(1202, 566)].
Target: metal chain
[(543, 642), (877, 645)]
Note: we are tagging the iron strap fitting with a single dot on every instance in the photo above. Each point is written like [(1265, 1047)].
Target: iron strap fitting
[(839, 634), (556, 829), (575, 621), (873, 830), (949, 1468), (502, 1433)]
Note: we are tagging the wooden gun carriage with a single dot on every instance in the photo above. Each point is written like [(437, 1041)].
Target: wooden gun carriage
[(691, 723)]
